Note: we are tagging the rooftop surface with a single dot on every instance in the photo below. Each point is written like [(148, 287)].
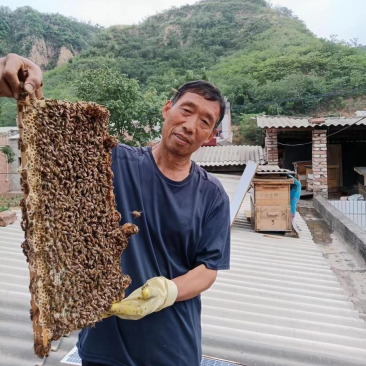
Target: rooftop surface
[(279, 305)]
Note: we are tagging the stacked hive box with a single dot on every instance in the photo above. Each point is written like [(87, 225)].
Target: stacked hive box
[(309, 178), (73, 239), (270, 201)]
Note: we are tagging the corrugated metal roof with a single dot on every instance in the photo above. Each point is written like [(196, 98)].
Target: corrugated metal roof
[(15, 137), (228, 155), (223, 142), (360, 170), (16, 333), (298, 122), (280, 304), (272, 169), (8, 128)]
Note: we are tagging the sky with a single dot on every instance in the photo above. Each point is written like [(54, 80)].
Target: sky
[(345, 18)]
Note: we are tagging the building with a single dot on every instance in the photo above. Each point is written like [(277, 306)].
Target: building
[(224, 134), (9, 179), (13, 142), (333, 147)]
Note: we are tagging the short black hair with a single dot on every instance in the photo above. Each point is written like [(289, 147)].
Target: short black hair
[(205, 90)]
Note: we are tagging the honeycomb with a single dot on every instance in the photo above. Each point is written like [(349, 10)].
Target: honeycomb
[(73, 241)]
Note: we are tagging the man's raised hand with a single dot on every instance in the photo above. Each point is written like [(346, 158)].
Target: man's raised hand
[(15, 69)]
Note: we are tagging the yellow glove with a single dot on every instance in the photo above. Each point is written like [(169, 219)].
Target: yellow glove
[(157, 294)]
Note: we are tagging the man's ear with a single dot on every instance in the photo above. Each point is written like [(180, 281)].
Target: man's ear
[(213, 133), (167, 107)]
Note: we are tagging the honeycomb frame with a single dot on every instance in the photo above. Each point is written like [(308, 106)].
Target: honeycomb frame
[(73, 241)]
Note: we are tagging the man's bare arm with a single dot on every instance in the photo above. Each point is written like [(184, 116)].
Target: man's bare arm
[(194, 282)]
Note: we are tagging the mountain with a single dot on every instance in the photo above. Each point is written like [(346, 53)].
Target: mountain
[(262, 57), (50, 40)]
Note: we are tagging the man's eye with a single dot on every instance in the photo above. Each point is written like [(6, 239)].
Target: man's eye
[(186, 110), (205, 122)]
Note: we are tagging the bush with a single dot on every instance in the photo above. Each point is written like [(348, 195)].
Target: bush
[(250, 133)]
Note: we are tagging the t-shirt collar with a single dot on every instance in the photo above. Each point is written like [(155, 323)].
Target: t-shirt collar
[(185, 180)]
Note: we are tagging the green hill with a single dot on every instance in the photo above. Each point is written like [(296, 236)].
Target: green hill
[(262, 57), (48, 39)]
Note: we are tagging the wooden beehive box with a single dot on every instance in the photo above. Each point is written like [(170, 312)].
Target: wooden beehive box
[(270, 204)]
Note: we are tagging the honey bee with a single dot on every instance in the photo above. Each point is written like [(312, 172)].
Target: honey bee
[(137, 214)]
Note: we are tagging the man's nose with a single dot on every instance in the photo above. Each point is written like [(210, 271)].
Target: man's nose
[(189, 124)]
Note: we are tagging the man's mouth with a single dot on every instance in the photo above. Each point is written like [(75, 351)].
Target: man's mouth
[(181, 138)]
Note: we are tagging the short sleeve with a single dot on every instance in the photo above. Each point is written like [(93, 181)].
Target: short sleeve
[(214, 248)]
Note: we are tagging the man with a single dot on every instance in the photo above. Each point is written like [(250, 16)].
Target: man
[(184, 236)]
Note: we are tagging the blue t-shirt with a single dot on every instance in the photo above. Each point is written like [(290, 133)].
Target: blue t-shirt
[(182, 225)]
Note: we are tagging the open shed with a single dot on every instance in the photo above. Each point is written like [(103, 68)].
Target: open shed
[(333, 147)]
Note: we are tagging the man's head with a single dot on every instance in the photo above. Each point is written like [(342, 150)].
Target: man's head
[(191, 117)]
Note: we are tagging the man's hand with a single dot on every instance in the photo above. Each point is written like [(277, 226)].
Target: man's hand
[(157, 294), (15, 69)]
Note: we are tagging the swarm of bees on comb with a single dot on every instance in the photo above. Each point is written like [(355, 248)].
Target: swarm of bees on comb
[(73, 241)]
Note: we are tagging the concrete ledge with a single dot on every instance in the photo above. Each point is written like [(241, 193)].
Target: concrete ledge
[(339, 222)]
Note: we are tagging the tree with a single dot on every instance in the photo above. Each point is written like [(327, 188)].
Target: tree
[(249, 131), (135, 116), (9, 153)]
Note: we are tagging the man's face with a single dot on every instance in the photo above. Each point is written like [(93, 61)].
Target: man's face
[(189, 123)]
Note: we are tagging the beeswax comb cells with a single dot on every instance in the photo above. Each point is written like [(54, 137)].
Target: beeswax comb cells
[(73, 241)]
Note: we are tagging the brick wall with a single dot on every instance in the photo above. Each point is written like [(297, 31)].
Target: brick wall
[(271, 148), (4, 178), (320, 180)]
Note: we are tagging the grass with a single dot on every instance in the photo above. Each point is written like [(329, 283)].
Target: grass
[(8, 201), (3, 208)]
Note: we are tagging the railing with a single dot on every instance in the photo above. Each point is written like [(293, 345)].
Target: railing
[(354, 210)]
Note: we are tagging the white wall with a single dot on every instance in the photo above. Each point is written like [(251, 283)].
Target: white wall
[(226, 125)]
